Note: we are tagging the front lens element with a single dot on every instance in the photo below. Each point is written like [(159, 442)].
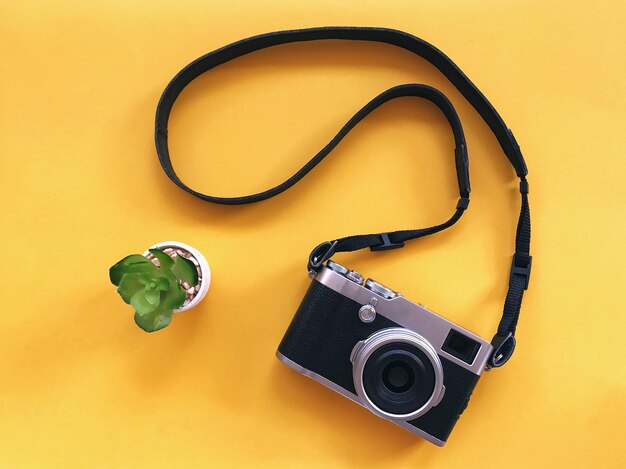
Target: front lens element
[(398, 378)]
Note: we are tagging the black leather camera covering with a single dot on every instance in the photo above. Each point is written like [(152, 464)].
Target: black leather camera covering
[(325, 329)]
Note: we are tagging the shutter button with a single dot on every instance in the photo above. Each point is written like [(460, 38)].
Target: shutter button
[(355, 277)]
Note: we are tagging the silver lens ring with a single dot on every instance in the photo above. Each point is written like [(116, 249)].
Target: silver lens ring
[(363, 350)]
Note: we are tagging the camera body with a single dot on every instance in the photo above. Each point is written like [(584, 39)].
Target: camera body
[(394, 357)]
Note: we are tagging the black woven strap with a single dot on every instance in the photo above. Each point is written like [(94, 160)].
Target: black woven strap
[(503, 341)]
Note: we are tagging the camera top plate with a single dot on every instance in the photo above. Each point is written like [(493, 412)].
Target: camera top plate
[(410, 315)]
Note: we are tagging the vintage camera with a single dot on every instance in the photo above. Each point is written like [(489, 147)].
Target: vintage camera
[(394, 357)]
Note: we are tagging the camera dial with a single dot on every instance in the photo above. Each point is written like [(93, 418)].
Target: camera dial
[(380, 289), (337, 268)]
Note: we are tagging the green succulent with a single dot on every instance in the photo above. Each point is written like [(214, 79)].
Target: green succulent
[(153, 291)]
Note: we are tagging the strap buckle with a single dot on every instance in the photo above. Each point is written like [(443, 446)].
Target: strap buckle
[(387, 244), (320, 254), (521, 266)]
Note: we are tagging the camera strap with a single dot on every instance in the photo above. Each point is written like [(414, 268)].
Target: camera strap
[(504, 340)]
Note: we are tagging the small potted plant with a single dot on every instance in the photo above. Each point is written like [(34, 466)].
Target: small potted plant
[(170, 277)]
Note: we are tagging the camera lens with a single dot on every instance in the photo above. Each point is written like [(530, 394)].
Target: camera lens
[(398, 378), (397, 374)]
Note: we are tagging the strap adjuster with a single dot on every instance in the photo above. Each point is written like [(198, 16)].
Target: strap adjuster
[(521, 266), (387, 244)]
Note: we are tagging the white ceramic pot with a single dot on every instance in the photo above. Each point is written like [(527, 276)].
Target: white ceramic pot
[(204, 272)]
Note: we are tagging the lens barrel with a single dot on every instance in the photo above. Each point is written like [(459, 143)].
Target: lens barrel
[(397, 374)]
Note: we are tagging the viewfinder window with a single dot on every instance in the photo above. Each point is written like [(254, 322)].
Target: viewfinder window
[(461, 346)]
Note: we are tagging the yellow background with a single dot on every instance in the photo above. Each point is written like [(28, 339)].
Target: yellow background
[(82, 386)]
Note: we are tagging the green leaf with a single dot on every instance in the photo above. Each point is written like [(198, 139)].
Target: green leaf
[(154, 321), (141, 304), (165, 261), (162, 283), (175, 296), (132, 283), (138, 262), (153, 296), (185, 270), (148, 268)]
